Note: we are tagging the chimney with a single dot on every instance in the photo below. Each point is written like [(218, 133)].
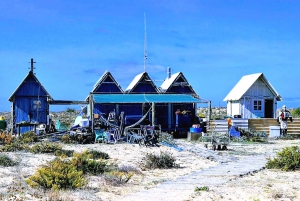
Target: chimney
[(168, 72)]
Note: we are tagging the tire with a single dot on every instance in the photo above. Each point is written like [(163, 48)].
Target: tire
[(142, 142), (219, 147), (224, 147), (214, 147), (205, 146)]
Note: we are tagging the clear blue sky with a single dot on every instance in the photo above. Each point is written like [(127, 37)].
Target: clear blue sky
[(214, 43)]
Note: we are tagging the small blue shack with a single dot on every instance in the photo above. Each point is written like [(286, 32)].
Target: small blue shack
[(30, 103)]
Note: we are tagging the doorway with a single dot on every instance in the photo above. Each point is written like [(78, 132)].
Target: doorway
[(269, 109)]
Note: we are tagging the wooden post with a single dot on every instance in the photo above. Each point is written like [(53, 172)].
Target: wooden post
[(91, 103), (169, 116), (31, 64)]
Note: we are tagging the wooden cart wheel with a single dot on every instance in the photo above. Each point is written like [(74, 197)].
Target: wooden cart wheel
[(205, 145), (224, 147)]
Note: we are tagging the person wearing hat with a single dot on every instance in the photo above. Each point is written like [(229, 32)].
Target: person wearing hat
[(283, 117)]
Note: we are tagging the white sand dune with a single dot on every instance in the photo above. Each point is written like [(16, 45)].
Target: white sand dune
[(258, 185)]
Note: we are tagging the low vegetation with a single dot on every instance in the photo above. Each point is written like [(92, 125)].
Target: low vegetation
[(6, 161), (6, 138), (296, 112), (45, 147), (164, 160), (71, 173), (202, 188), (287, 160)]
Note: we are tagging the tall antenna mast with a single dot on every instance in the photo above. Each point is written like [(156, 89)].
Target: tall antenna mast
[(145, 45)]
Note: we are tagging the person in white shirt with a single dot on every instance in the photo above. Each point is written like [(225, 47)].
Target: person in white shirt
[(284, 116)]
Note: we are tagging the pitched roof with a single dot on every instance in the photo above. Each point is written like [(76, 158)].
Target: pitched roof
[(139, 78), (30, 74), (106, 78), (244, 85), (106, 75), (173, 81)]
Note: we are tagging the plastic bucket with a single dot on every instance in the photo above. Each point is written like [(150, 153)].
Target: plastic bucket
[(195, 130), (84, 123)]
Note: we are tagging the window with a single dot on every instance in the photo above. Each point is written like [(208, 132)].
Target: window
[(257, 104)]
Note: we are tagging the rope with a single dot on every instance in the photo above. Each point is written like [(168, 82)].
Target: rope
[(138, 122)]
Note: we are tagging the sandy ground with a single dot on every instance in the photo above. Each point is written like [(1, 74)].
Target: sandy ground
[(262, 185)]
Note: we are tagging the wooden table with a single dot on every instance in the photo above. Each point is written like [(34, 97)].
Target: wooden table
[(19, 125)]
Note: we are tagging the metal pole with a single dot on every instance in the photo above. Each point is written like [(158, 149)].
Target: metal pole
[(153, 114)]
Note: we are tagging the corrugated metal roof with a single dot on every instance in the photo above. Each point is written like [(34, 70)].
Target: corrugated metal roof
[(29, 74), (244, 85), (142, 98)]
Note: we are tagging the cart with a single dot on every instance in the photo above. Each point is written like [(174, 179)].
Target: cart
[(218, 141)]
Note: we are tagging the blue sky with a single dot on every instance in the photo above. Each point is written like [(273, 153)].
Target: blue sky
[(214, 43)]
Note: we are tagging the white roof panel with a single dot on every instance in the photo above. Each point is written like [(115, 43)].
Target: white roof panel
[(244, 85), (134, 81), (169, 81)]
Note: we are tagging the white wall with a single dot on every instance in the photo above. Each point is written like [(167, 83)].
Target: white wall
[(233, 108)]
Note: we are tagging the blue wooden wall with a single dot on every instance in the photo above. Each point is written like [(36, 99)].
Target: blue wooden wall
[(30, 103), (145, 85)]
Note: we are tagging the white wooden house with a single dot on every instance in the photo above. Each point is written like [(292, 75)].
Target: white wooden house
[(252, 97)]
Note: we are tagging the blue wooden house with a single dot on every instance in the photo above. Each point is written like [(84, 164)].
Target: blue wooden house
[(182, 115), (142, 84), (106, 85), (30, 103), (178, 84), (142, 94)]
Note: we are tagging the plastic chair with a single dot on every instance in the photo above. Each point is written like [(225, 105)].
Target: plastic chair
[(100, 135)]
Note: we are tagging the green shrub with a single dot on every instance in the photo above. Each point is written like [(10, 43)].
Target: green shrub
[(84, 162), (57, 174), (69, 173), (6, 161), (287, 160), (70, 110), (98, 154), (67, 139), (203, 188), (45, 147), (296, 112), (164, 160), (14, 147), (64, 153), (27, 137)]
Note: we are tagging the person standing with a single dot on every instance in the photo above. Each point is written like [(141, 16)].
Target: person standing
[(284, 116)]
